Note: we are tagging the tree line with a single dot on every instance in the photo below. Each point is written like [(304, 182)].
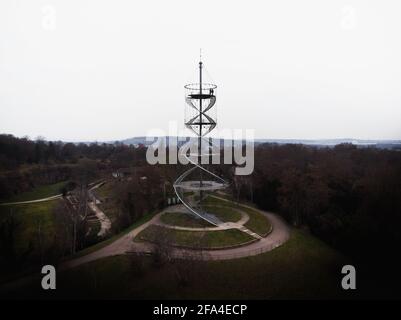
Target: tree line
[(348, 196)]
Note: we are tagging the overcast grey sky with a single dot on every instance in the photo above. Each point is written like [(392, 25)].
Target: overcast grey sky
[(105, 70)]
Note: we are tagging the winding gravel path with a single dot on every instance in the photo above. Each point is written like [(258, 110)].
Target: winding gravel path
[(105, 223)]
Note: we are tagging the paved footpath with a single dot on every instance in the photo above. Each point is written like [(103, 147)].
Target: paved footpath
[(120, 246), (55, 197), (125, 245)]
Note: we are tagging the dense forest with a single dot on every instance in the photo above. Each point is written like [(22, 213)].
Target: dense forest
[(345, 195), (348, 196)]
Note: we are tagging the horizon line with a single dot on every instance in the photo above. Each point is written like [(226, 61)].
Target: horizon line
[(110, 141)]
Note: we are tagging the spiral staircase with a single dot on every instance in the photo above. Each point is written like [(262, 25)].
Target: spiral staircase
[(195, 184)]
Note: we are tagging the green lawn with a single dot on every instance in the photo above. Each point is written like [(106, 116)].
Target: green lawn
[(302, 268), (183, 219), (257, 222), (224, 212), (105, 191), (38, 193), (211, 200), (200, 239), (225, 196), (30, 217)]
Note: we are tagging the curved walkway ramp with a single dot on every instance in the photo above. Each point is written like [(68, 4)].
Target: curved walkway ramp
[(125, 245)]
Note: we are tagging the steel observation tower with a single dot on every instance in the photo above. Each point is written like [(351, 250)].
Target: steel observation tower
[(196, 183)]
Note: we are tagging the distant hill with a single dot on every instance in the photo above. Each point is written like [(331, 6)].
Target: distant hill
[(381, 144)]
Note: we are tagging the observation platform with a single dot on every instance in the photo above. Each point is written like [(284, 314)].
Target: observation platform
[(207, 185), (203, 96)]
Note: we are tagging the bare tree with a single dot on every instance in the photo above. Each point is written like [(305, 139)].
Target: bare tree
[(79, 216), (8, 229), (163, 247), (39, 234), (71, 219), (186, 265)]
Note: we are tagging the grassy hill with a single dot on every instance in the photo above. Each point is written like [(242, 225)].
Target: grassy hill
[(303, 268)]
